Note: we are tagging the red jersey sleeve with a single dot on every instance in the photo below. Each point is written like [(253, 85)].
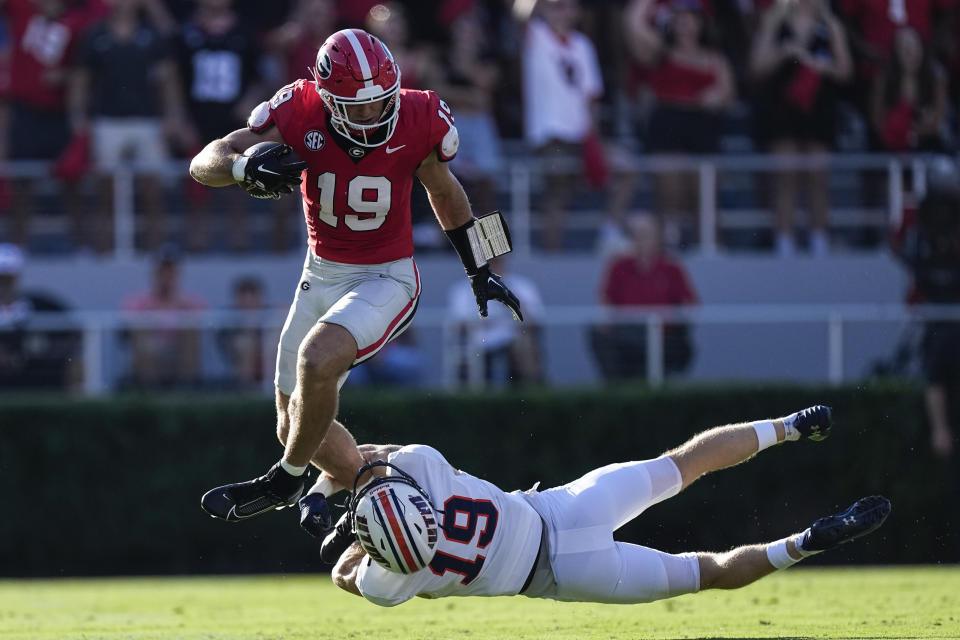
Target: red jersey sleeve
[(443, 135), (610, 289), (280, 110)]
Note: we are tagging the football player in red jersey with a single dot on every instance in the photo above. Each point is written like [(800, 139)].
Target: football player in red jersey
[(353, 141)]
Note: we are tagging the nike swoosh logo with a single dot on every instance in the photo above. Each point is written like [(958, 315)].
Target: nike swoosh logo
[(389, 150), (262, 170)]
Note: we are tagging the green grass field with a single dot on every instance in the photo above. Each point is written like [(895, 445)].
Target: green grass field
[(915, 602)]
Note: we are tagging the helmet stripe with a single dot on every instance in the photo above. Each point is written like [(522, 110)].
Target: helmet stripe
[(397, 533), (361, 58), (393, 549), (406, 528)]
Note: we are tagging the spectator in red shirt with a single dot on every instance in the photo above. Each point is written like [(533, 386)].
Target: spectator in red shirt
[(643, 277), (164, 356), (799, 59), (44, 34), (909, 99), (873, 25), (692, 83)]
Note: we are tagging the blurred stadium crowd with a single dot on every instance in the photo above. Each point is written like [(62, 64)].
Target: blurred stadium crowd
[(94, 86), (616, 123)]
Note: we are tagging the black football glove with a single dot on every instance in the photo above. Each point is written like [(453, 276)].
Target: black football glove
[(487, 286), (339, 540), (269, 170), (315, 515), (257, 192)]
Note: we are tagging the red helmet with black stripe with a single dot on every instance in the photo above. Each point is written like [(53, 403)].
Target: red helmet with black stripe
[(395, 523), (355, 68)]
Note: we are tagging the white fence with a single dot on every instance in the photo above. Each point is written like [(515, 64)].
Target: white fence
[(520, 179), (99, 329), (709, 170)]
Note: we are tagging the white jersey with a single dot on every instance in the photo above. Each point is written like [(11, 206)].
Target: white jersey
[(488, 539)]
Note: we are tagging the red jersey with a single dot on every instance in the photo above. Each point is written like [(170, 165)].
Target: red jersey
[(663, 283), (878, 20), (676, 83), (41, 50), (356, 200)]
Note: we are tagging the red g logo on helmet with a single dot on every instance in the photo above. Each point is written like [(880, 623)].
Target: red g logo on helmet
[(355, 68)]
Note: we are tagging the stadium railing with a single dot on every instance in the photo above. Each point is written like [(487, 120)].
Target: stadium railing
[(711, 216), (102, 357), (520, 179)]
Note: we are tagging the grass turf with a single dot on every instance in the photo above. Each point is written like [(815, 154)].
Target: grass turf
[(909, 602)]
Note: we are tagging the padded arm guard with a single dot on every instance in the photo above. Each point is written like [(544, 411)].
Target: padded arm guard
[(480, 240)]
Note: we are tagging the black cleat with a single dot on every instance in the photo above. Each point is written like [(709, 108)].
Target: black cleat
[(812, 423), (339, 540), (275, 489), (860, 518), (315, 515)]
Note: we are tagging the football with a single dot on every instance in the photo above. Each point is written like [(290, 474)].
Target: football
[(281, 156), (269, 170)]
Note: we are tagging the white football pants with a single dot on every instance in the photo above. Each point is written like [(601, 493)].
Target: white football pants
[(588, 565), (373, 302)]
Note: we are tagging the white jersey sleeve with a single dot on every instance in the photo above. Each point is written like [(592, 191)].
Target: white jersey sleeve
[(487, 544), (383, 587)]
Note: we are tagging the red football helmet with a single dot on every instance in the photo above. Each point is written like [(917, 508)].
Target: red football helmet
[(354, 67)]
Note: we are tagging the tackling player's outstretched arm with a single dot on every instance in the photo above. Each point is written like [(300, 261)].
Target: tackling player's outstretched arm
[(344, 573), (452, 208)]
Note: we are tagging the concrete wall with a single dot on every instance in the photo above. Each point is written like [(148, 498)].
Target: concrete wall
[(790, 351)]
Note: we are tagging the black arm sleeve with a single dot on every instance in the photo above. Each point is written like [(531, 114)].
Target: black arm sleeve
[(464, 240)]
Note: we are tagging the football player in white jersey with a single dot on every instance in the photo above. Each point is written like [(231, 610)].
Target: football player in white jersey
[(427, 529)]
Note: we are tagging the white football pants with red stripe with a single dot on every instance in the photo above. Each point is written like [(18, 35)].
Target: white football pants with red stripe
[(375, 303)]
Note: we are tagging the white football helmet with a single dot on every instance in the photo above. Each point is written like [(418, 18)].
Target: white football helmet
[(395, 523)]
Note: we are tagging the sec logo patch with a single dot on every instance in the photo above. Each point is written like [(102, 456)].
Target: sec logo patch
[(314, 140)]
